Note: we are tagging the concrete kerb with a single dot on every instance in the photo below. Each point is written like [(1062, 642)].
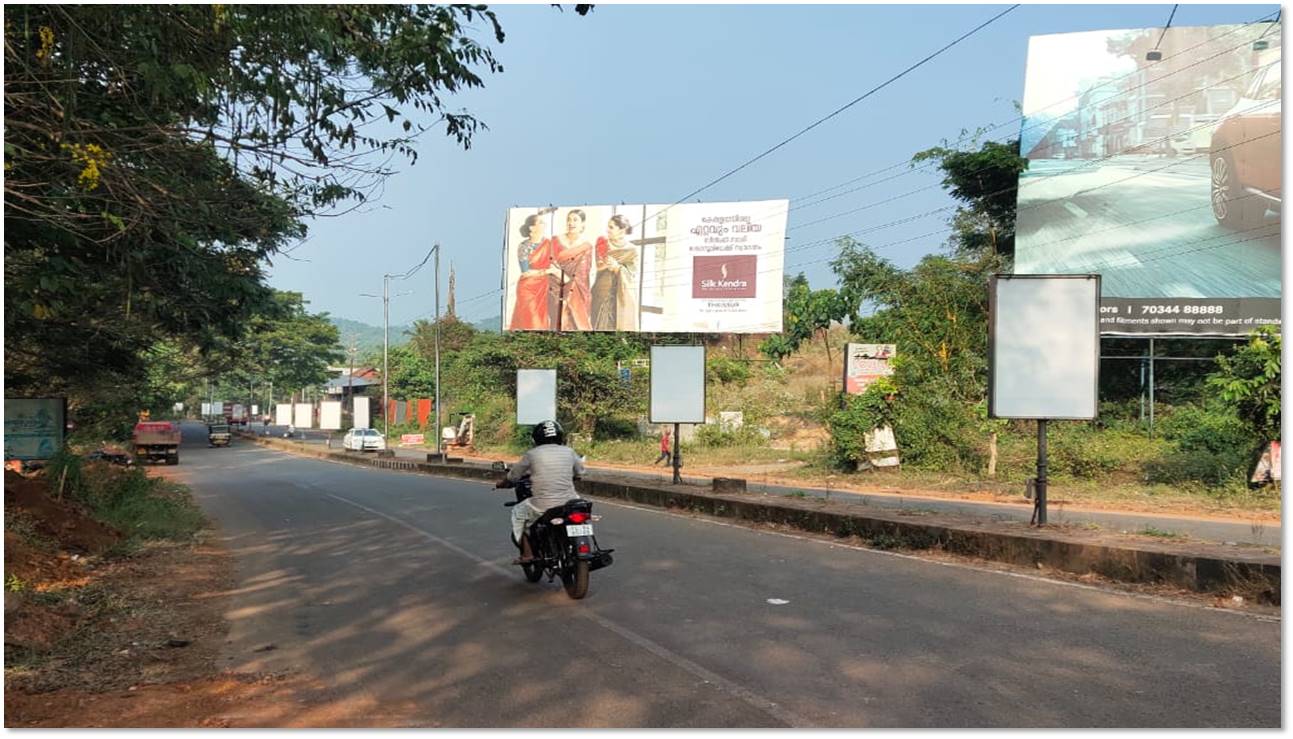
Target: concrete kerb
[(1201, 568)]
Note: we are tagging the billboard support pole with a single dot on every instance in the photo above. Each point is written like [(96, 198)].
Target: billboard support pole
[(1039, 498), (677, 454), (1151, 387)]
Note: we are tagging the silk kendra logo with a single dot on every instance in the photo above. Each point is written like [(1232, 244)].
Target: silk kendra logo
[(724, 277)]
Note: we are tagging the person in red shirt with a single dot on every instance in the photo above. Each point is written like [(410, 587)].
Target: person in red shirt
[(664, 448)]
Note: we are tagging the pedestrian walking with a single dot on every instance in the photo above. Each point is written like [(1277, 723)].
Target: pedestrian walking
[(664, 449)]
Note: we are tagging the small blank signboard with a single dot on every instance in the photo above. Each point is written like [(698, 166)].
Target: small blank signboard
[(330, 415), (536, 396), (677, 384), (283, 414), (303, 418), (1043, 346), (206, 409), (360, 410)]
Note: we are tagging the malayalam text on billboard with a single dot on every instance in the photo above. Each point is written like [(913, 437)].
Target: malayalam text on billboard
[(696, 267), (1155, 160)]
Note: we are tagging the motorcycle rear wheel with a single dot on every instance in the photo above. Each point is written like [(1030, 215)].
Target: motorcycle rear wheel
[(575, 579)]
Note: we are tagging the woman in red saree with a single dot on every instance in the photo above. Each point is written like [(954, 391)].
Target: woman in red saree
[(540, 280), (574, 254)]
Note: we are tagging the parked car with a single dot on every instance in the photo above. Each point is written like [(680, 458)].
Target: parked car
[(1245, 153), (361, 440)]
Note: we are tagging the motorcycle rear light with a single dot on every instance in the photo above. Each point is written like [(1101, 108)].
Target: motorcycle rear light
[(583, 549), (577, 517)]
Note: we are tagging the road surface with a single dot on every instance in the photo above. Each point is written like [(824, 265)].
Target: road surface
[(1255, 532), (394, 589), (1145, 224)]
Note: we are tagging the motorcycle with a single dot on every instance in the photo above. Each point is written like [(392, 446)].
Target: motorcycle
[(561, 541)]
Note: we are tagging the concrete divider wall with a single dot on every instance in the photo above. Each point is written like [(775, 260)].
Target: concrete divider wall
[(1256, 576)]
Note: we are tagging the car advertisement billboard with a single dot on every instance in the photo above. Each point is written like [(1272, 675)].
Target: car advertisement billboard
[(696, 267), (1155, 161)]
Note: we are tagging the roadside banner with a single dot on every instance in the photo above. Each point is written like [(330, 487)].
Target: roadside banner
[(536, 396), (283, 414), (677, 384), (412, 439), (330, 415), (866, 363), (33, 427), (360, 411), (303, 416)]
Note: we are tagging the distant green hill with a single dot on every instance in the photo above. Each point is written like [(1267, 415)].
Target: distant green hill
[(366, 336), (488, 324)]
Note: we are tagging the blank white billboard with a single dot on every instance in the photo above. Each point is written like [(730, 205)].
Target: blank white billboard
[(217, 408), (206, 409), (303, 417), (536, 396), (255, 410), (1044, 346), (283, 414), (677, 384), (330, 415), (361, 412)]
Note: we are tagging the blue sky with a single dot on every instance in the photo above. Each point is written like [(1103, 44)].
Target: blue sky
[(642, 103)]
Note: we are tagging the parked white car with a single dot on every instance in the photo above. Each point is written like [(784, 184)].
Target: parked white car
[(361, 440)]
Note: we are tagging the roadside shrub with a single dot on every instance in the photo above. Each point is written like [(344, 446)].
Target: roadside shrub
[(712, 435), (937, 432), (1210, 428), (1208, 468), (860, 415), (1085, 452), (612, 428), (728, 371)]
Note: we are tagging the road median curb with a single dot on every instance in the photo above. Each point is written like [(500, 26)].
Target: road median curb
[(1200, 567)]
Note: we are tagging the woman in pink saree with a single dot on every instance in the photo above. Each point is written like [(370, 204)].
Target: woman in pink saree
[(540, 280), (574, 255)]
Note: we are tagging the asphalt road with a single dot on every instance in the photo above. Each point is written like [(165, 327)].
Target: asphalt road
[(394, 590), (1144, 223), (1204, 529)]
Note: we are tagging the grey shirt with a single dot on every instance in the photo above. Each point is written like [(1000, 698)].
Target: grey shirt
[(552, 468)]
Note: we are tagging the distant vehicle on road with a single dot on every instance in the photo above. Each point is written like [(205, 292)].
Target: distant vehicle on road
[(157, 441), (218, 434), (1246, 156), (360, 440)]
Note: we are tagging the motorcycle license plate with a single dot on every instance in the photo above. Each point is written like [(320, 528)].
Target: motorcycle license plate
[(579, 530)]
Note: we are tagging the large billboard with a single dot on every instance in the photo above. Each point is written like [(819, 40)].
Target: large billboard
[(1155, 161), (696, 267)]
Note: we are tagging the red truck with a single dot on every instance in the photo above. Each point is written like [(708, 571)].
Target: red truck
[(157, 441)]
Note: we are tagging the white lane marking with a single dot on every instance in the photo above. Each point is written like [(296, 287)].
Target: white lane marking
[(777, 601), (1075, 209), (769, 707), (957, 565)]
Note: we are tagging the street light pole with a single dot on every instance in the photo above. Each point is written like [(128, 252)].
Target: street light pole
[(438, 450), (386, 330), (386, 346)]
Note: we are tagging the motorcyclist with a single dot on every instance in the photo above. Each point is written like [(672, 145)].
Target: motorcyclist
[(552, 467)]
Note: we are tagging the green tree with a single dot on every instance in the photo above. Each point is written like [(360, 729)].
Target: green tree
[(986, 181), (1249, 381), (157, 156), (805, 313)]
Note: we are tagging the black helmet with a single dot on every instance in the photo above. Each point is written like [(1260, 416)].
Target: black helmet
[(548, 432)]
